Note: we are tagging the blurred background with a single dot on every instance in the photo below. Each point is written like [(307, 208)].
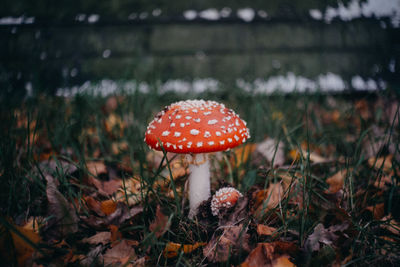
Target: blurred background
[(65, 47)]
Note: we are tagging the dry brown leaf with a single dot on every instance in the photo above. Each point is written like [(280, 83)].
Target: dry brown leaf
[(105, 188), (383, 182), (271, 254), (233, 240), (108, 206), (131, 191), (172, 249), (63, 217), (267, 199), (24, 251), (282, 261), (391, 225), (115, 233), (336, 182), (120, 254), (114, 125), (383, 162), (241, 154), (271, 150), (99, 238), (118, 147), (265, 230), (160, 224), (96, 167), (93, 205), (377, 210)]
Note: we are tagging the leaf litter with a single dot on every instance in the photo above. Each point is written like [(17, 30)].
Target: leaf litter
[(309, 202)]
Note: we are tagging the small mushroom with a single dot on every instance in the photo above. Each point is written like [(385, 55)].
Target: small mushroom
[(196, 128), (224, 198)]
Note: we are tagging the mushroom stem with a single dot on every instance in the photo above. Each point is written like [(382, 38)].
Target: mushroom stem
[(199, 184)]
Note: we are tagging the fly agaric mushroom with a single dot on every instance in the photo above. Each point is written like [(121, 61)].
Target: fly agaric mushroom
[(224, 198), (196, 127)]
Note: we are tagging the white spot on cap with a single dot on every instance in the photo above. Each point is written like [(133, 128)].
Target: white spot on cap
[(197, 120), (189, 144), (165, 133), (207, 113), (207, 134), (178, 116), (194, 132), (194, 110), (222, 142), (211, 143), (199, 144), (182, 124), (188, 117), (172, 124), (211, 122), (230, 140), (236, 137), (180, 147), (177, 134)]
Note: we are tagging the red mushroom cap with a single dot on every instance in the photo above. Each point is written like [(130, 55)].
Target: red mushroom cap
[(225, 197), (196, 126)]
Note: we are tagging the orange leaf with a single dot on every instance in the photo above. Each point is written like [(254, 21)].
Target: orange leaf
[(93, 205), (265, 230), (108, 206), (336, 181), (115, 233), (172, 249), (378, 210), (383, 162)]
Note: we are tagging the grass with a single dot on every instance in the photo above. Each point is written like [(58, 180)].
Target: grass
[(80, 130)]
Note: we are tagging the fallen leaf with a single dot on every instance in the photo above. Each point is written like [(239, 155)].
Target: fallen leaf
[(108, 206), (118, 147), (232, 241), (119, 254), (172, 249), (130, 190), (96, 167), (242, 154), (271, 254), (23, 250), (93, 257), (336, 182), (265, 230), (160, 224), (267, 199), (105, 188), (115, 233), (384, 163), (377, 210), (391, 225), (99, 238), (320, 235), (93, 205), (272, 151), (63, 219), (114, 125)]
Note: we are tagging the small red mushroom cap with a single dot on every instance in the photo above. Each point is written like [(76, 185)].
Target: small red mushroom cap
[(196, 126), (225, 197)]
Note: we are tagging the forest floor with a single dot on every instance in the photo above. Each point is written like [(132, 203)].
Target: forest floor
[(319, 177)]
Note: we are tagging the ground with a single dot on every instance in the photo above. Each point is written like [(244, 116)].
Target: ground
[(319, 178)]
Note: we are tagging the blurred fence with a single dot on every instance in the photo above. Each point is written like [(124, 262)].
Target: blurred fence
[(60, 55)]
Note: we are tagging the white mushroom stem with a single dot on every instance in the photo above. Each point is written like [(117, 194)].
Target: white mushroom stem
[(199, 182)]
